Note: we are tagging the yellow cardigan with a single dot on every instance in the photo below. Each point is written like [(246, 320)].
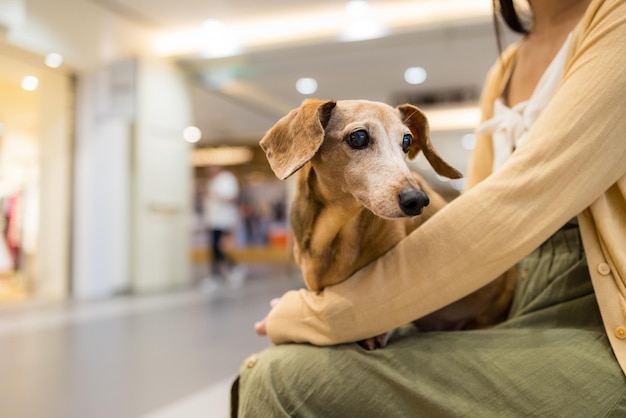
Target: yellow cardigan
[(572, 163)]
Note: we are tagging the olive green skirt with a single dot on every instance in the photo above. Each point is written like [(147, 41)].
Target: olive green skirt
[(550, 358)]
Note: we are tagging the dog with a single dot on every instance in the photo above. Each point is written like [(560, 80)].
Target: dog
[(356, 197)]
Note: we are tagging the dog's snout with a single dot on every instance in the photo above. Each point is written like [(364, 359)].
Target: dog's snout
[(412, 201)]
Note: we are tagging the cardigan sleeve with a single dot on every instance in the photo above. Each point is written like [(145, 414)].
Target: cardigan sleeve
[(573, 154)]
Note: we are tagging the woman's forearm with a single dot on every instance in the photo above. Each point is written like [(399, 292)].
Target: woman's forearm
[(574, 152)]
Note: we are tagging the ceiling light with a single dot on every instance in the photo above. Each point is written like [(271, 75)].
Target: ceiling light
[(218, 40), (362, 29), (306, 85), (192, 134), (54, 60), (415, 75), (361, 24), (357, 8), (30, 83)]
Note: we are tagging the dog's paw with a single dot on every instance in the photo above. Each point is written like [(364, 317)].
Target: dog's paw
[(376, 342)]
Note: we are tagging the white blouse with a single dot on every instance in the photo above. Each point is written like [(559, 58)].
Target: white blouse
[(510, 125)]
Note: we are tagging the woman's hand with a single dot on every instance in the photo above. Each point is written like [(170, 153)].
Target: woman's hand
[(260, 327)]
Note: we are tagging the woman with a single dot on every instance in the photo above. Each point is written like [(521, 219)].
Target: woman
[(547, 186)]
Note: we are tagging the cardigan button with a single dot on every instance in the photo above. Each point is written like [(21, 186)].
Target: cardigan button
[(604, 269), (252, 360), (620, 332)]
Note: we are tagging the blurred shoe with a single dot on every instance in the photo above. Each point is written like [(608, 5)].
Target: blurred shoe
[(208, 285), (237, 276)]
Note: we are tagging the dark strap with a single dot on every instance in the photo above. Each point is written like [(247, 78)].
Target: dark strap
[(234, 398)]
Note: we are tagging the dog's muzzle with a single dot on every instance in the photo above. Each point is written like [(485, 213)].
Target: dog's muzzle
[(412, 201)]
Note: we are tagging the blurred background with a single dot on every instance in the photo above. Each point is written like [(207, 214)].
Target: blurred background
[(110, 112)]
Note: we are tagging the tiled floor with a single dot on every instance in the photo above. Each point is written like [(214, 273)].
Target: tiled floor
[(159, 356)]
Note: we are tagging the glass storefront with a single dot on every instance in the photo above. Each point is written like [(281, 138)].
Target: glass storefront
[(27, 134), (19, 181)]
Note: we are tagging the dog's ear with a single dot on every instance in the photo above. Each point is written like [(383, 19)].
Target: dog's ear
[(295, 138), (418, 124)]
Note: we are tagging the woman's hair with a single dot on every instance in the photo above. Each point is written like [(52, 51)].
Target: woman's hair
[(509, 15), (507, 11)]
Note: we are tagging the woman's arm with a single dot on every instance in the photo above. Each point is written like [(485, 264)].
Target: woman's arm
[(575, 151)]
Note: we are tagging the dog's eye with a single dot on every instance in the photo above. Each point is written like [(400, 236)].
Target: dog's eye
[(406, 143), (358, 139)]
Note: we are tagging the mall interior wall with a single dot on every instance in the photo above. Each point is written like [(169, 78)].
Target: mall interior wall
[(132, 179)]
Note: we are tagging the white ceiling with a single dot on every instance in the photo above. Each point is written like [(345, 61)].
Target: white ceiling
[(456, 58), (456, 52)]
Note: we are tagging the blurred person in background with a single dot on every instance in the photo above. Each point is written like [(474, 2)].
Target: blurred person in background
[(221, 217), (546, 191)]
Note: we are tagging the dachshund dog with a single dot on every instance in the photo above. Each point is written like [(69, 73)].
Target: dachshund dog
[(356, 197)]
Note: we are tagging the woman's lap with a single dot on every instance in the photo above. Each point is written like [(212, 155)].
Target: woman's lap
[(499, 372), (551, 358)]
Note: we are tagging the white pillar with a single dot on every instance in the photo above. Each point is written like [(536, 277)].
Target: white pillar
[(162, 178), (132, 180)]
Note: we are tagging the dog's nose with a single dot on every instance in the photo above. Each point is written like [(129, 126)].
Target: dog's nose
[(412, 201)]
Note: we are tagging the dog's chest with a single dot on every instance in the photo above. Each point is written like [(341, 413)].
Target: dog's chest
[(338, 248), (368, 236)]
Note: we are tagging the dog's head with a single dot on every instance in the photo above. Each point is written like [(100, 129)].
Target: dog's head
[(357, 147)]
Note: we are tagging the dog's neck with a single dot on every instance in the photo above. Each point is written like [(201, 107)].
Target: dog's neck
[(334, 234), (325, 188)]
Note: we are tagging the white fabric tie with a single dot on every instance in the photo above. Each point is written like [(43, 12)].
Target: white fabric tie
[(509, 126)]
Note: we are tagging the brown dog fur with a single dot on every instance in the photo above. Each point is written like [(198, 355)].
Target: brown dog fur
[(346, 211)]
